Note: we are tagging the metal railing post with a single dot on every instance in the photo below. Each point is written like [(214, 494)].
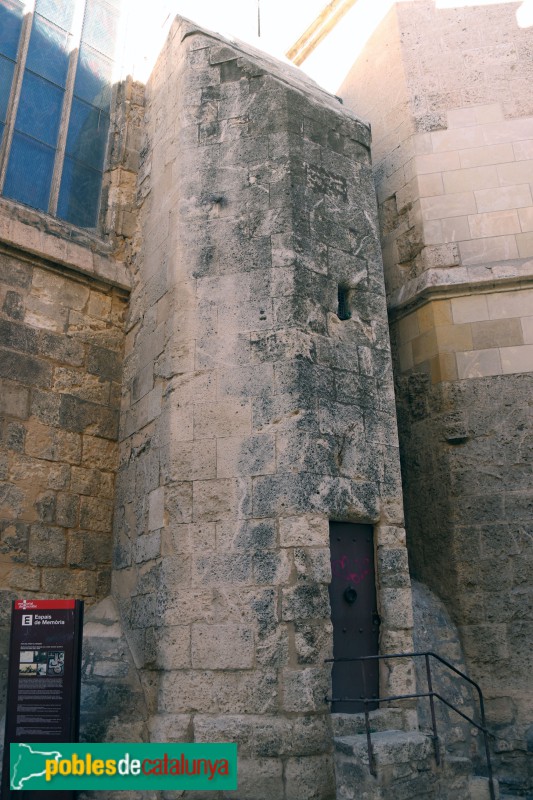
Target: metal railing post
[(436, 744), (431, 694), (371, 764)]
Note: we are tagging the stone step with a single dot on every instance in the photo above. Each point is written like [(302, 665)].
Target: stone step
[(458, 765), (479, 789), (403, 761), (389, 747), (382, 719)]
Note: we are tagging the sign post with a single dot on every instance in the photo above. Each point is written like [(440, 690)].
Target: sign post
[(43, 688)]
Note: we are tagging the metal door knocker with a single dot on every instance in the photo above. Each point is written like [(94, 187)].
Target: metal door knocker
[(350, 595)]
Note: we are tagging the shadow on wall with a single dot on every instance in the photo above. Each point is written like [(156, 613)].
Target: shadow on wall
[(113, 706), (434, 630)]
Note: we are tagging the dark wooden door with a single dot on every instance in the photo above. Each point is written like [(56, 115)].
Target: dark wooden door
[(352, 593)]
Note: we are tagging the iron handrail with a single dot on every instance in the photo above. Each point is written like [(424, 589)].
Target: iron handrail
[(430, 694)]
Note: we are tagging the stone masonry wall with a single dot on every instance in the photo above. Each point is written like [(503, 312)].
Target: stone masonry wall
[(452, 147), (467, 335), (60, 362), (252, 414), (468, 516), (454, 183)]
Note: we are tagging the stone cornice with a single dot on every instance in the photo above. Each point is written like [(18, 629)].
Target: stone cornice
[(456, 281)]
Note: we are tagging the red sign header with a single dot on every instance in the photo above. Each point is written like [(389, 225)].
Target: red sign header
[(25, 605)]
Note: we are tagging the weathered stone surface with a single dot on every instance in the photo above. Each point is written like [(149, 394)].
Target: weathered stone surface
[(304, 531), (311, 777), (246, 412), (237, 447), (47, 546), (485, 528), (222, 647), (219, 692), (41, 365)]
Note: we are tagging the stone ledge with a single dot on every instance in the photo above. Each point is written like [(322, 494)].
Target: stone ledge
[(456, 281), (33, 234)]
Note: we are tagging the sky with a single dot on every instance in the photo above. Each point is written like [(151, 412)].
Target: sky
[(282, 23)]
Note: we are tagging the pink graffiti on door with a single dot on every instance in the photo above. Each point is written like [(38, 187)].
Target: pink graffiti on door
[(352, 569)]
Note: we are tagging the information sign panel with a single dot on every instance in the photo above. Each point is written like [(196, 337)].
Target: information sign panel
[(43, 690)]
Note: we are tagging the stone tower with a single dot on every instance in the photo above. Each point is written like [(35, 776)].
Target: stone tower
[(252, 413)]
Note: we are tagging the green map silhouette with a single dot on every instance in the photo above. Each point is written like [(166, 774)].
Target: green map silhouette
[(27, 762)]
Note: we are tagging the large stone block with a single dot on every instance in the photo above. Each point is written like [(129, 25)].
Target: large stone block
[(306, 689), (249, 535), (96, 514), (259, 776), (47, 546), (248, 456), (174, 647), (240, 729), (305, 601), (52, 444), (26, 369), (223, 569), (310, 777), (216, 499), (212, 692), (222, 647), (304, 531), (228, 418)]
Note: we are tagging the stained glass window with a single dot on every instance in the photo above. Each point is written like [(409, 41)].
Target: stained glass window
[(93, 77), (29, 172), (11, 13), (48, 51), (60, 99), (80, 194), (6, 76), (39, 111), (100, 26), (87, 134), (61, 12)]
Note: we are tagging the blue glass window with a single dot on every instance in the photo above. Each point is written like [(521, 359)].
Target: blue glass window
[(48, 51), (6, 77), (52, 82), (79, 195), (59, 11), (29, 172), (93, 78), (39, 111), (100, 26), (11, 12), (87, 134)]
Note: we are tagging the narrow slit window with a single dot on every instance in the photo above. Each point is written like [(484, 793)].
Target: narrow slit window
[(343, 310)]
